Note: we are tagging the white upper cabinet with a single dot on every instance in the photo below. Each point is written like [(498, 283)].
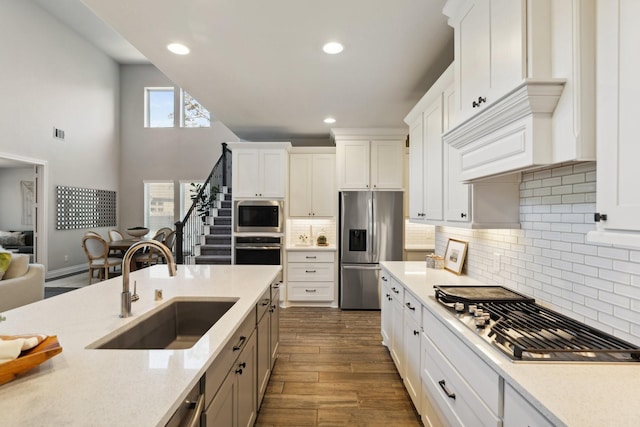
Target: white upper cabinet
[(513, 60), (312, 190), (441, 196), (369, 159), (618, 124), (259, 169)]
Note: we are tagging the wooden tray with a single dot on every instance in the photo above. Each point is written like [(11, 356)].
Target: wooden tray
[(29, 359)]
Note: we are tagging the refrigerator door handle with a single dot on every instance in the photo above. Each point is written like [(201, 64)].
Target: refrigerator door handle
[(361, 267)]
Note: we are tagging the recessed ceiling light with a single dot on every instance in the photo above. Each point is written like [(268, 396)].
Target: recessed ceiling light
[(329, 120), (178, 49), (332, 48)]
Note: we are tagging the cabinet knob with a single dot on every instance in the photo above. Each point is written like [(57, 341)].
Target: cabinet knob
[(597, 217), (416, 332), (480, 101), (463, 215)]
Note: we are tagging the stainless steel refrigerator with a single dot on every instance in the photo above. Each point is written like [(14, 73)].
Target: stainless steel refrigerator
[(371, 225)]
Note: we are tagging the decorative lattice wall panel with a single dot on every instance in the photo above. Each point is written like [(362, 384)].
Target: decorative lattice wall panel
[(85, 208)]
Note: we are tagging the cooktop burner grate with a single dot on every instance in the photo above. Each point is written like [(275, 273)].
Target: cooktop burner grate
[(531, 330), (526, 331)]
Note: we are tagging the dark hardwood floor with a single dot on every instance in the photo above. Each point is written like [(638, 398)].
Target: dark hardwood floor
[(332, 370)]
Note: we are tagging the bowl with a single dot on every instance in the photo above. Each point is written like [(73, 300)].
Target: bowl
[(137, 231)]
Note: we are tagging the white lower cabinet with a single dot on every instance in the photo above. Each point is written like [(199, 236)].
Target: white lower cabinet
[(411, 375), (311, 276), (263, 330), (386, 310), (518, 412), (397, 326)]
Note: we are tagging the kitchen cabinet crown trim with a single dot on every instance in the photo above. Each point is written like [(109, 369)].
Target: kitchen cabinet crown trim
[(533, 97), (360, 134), (259, 145)]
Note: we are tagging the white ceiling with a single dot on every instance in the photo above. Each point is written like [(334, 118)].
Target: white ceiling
[(257, 65)]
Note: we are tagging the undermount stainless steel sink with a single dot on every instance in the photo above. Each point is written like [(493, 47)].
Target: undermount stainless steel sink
[(177, 325)]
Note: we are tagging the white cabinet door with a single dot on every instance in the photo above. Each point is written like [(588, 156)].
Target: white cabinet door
[(272, 173), (458, 194), (618, 127), (397, 337), (387, 159), (353, 165), (246, 376), (386, 309), (412, 338), (323, 187), (473, 58), (300, 178), (259, 173), (246, 173), (433, 198), (416, 171)]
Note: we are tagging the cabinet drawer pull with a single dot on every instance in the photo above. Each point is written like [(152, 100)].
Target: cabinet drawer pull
[(311, 257), (409, 306), (416, 332), (384, 279), (395, 290), (240, 343), (311, 290), (239, 371), (310, 271), (443, 386), (265, 302)]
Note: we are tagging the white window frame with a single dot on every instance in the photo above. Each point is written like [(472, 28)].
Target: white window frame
[(146, 204), (147, 111)]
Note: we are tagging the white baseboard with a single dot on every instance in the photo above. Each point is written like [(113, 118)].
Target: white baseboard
[(66, 271)]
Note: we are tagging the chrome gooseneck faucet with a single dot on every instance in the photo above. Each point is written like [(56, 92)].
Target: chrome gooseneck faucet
[(125, 303)]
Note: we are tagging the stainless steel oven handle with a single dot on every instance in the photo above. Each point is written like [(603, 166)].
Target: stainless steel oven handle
[(259, 248), (361, 267)]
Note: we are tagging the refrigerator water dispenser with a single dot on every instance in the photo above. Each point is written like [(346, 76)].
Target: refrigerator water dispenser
[(358, 240)]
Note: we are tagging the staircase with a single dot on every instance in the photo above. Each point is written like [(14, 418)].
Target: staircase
[(204, 235), (216, 246)]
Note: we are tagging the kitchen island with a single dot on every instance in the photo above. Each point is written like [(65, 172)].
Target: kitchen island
[(82, 386), (564, 393)]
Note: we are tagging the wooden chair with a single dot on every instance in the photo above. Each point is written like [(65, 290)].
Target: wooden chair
[(115, 235), (97, 251), (169, 242), (149, 256)]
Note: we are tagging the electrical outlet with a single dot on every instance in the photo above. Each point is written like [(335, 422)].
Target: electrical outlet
[(66, 258), (495, 268)]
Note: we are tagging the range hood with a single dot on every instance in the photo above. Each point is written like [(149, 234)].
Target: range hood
[(511, 135)]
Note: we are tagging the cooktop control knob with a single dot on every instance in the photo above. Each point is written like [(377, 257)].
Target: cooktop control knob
[(459, 306), (472, 308)]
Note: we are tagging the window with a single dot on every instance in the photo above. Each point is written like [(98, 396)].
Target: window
[(159, 107), (158, 205), (192, 113)]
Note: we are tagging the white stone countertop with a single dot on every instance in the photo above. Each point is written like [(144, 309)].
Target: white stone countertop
[(310, 248), (572, 394), (87, 387)]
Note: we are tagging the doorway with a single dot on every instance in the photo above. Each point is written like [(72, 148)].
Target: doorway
[(22, 188)]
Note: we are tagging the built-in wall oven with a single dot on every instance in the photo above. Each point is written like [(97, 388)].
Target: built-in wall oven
[(261, 250), (259, 216)]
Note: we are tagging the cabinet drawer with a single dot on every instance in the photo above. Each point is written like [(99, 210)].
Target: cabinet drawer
[(413, 308), (316, 291), (263, 304), (517, 411), (451, 393), (311, 256), (482, 379), (310, 272), (397, 290), (221, 366)]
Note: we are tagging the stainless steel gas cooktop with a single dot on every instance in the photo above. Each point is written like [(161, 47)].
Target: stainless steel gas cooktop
[(526, 331)]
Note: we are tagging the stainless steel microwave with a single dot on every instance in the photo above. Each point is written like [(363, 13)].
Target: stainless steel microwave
[(263, 216)]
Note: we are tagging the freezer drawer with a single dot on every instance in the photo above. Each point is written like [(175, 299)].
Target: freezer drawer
[(359, 287)]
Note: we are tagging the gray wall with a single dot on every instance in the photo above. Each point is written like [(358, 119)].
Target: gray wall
[(51, 77), (159, 154), (550, 257)]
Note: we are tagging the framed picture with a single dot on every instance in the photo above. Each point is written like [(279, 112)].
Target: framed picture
[(454, 255)]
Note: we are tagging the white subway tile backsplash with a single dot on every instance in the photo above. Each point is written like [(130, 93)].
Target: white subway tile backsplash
[(549, 257)]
